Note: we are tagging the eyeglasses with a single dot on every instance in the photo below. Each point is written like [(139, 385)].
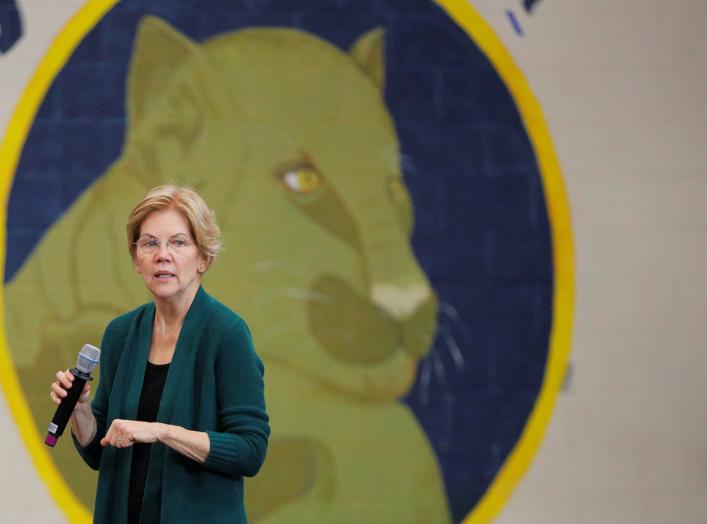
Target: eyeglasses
[(175, 245)]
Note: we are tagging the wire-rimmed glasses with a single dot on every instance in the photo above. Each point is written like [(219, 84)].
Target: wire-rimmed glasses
[(176, 244)]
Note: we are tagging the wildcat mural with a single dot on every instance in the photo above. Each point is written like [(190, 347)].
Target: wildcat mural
[(410, 370), (290, 141)]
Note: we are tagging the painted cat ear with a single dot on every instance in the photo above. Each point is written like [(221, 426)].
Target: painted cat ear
[(159, 50), (368, 51)]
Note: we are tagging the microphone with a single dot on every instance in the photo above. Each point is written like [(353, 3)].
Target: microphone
[(85, 363)]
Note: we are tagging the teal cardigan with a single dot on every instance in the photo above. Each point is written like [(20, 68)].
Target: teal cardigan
[(214, 384)]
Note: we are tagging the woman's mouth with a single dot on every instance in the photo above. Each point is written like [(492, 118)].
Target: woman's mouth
[(164, 275)]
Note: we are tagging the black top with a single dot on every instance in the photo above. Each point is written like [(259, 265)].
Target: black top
[(152, 386)]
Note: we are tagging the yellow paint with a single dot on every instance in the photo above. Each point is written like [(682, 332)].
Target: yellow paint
[(520, 458), (10, 149)]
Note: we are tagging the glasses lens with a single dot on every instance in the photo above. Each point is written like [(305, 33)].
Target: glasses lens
[(148, 245), (179, 243)]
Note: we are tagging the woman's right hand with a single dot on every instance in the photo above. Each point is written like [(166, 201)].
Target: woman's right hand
[(64, 380)]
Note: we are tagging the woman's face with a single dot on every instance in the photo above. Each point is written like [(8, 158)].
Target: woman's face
[(174, 272)]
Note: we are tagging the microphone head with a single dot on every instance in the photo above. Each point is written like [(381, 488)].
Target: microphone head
[(88, 358)]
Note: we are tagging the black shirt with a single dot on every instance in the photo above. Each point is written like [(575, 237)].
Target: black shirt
[(152, 386)]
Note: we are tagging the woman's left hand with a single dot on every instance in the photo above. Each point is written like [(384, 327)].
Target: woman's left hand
[(124, 433)]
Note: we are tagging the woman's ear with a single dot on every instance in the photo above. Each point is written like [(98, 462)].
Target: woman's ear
[(202, 264)]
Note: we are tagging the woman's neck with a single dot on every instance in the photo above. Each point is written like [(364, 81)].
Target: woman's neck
[(170, 313)]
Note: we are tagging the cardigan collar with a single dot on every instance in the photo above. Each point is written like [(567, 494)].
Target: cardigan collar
[(181, 360)]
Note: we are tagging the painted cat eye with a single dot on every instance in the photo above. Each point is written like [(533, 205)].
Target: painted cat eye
[(302, 179)]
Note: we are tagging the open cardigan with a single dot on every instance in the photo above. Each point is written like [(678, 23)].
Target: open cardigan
[(214, 384)]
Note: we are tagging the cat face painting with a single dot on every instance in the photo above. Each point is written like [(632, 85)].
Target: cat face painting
[(289, 140)]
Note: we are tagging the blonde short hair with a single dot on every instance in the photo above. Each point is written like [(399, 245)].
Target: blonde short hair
[(201, 219)]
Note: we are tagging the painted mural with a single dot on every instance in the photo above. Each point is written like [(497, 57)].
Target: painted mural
[(387, 210)]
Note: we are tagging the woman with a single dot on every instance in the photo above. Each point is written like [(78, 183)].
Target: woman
[(179, 417)]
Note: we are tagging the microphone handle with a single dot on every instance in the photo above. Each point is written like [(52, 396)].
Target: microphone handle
[(66, 408)]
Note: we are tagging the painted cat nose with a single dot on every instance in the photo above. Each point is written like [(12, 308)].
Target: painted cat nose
[(414, 308), (400, 302)]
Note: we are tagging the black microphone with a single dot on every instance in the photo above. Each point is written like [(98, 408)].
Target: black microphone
[(85, 363)]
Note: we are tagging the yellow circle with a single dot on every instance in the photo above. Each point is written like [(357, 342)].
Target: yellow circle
[(555, 196)]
